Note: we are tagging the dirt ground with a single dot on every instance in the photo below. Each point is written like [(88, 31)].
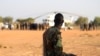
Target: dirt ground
[(29, 43)]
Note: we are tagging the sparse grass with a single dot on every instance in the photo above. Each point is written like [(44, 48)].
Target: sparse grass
[(0, 46), (5, 47)]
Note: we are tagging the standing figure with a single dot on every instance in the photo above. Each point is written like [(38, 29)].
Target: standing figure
[(52, 40)]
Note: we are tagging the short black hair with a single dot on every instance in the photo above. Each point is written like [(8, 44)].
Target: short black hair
[(58, 18)]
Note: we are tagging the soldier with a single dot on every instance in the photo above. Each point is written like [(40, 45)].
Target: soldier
[(85, 26), (52, 40), (90, 26)]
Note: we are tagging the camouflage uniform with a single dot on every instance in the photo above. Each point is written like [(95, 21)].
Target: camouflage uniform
[(52, 42)]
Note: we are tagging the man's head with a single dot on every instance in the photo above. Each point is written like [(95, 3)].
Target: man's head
[(58, 20)]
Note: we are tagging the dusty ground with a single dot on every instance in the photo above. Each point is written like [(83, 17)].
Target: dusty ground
[(29, 43)]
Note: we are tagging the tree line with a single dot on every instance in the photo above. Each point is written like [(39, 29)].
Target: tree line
[(84, 20), (80, 20), (9, 19)]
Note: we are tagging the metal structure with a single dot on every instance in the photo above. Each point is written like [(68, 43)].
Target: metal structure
[(72, 14), (50, 18)]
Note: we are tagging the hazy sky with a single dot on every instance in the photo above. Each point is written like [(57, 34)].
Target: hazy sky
[(33, 8)]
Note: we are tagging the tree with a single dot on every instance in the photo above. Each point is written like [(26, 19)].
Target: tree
[(97, 20), (20, 20), (8, 19), (1, 19), (81, 20), (30, 20)]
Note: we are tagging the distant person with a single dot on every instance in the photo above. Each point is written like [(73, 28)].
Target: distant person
[(85, 26), (90, 26), (52, 38), (17, 26)]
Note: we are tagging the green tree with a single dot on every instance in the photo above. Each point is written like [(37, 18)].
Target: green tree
[(1, 19), (8, 19), (30, 20), (20, 20), (81, 20), (97, 20)]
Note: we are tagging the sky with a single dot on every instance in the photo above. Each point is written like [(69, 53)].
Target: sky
[(33, 8)]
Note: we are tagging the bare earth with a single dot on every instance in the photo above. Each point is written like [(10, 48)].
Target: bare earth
[(29, 43)]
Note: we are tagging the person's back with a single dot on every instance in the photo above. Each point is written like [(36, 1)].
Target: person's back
[(52, 38), (52, 42)]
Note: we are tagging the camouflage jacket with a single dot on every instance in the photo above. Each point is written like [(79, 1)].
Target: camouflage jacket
[(52, 42)]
